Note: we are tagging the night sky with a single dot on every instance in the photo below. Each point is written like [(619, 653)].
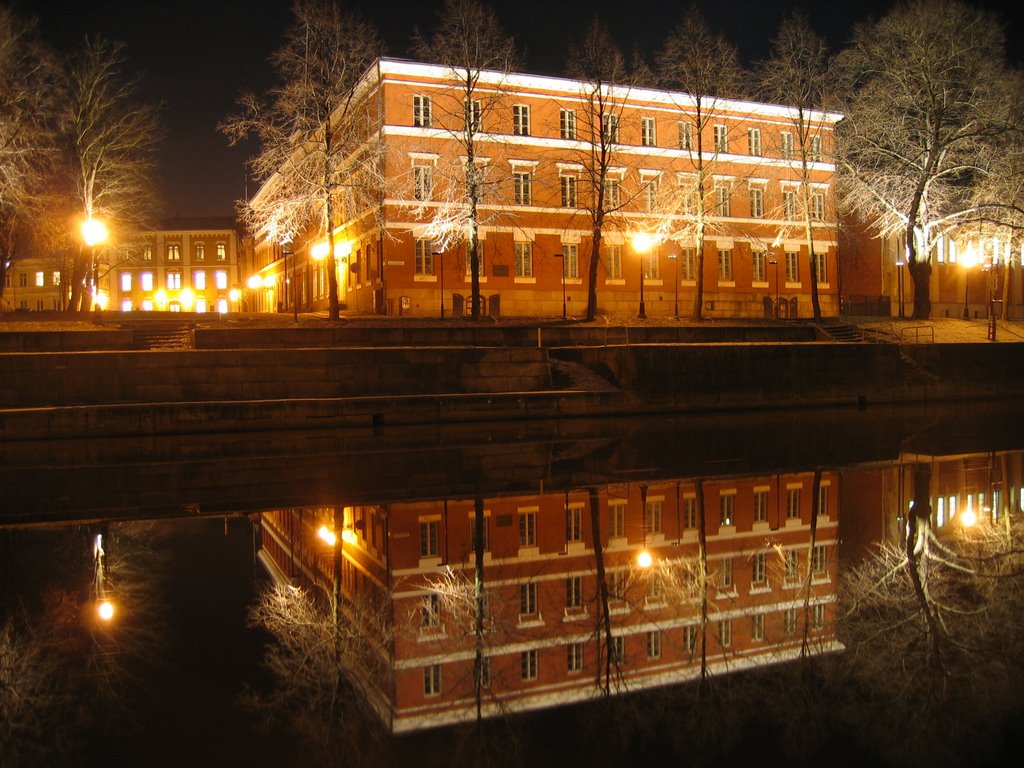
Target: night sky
[(196, 57)]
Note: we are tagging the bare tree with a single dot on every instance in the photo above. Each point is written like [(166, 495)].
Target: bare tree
[(797, 75), (318, 161), (29, 94), (112, 138), (925, 93), (599, 66), (477, 56), (705, 67)]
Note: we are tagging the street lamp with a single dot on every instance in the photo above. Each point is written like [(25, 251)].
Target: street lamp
[(94, 233), (899, 282), (440, 261), (775, 308), (969, 260), (674, 257), (642, 244), (561, 255)]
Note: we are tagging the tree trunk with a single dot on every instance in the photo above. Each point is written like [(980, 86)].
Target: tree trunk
[(604, 614), (920, 275)]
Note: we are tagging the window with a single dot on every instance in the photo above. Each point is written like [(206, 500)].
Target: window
[(55, 279), (174, 281), (792, 267), (721, 139), (521, 184), (472, 532), (612, 193), (818, 206), (126, 281), (567, 124), (199, 280), (528, 599), (528, 664), (421, 111), (690, 638), (823, 500), (689, 264), (524, 259), (761, 506), (819, 561), (432, 680), (685, 135), (651, 265), (574, 657), (610, 129), (759, 571), (174, 253), (793, 503), (574, 524), (815, 149), (222, 251), (424, 256), (618, 650), (759, 267), (722, 200), (818, 618), (757, 202), (220, 277), (570, 261), (650, 195), (647, 137), (690, 512), (725, 633), (521, 120), (200, 252), (754, 141), (616, 585), (527, 529), (574, 592), (652, 518), (725, 574), (614, 255), (146, 281), (568, 191), (792, 564), (616, 520), (429, 538), (23, 280), (789, 622), (422, 182), (725, 266), (757, 627), (820, 268), (786, 140), (147, 253), (40, 279), (654, 644), (727, 508), (789, 204), (430, 611), (473, 115)]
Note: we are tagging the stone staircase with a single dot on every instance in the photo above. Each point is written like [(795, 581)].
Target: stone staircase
[(841, 332), (161, 336)]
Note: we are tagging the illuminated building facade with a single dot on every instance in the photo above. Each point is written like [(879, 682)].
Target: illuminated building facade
[(407, 252), (569, 608)]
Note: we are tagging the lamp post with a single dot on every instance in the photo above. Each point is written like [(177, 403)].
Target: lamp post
[(899, 282), (94, 233), (642, 244), (775, 307), (440, 261), (675, 259), (561, 255)]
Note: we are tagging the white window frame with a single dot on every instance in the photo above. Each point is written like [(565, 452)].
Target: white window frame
[(421, 111), (521, 119), (648, 132)]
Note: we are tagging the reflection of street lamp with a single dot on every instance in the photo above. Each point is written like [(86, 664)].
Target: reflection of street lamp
[(104, 605), (675, 258), (644, 559), (775, 309), (969, 260), (94, 233), (561, 255), (642, 244)]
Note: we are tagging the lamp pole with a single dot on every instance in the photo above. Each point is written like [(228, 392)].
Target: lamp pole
[(440, 259), (561, 255), (642, 243), (675, 259), (775, 307), (899, 281)]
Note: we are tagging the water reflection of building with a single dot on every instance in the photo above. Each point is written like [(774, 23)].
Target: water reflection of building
[(770, 587)]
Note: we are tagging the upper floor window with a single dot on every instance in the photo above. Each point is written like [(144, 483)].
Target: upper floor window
[(199, 280), (40, 279), (650, 193), (220, 279), (792, 267), (756, 202), (147, 253), (200, 250), (725, 266), (522, 187), (174, 252), (174, 281), (521, 120), (821, 268), (613, 254), (146, 281), (759, 260), (524, 268), (754, 141), (421, 111), (422, 182), (474, 115), (424, 256), (722, 200), (685, 135), (789, 204), (610, 128), (567, 124), (786, 141), (126, 281), (647, 135), (570, 262), (429, 536), (222, 251), (721, 139), (814, 151), (818, 206), (612, 193), (568, 191)]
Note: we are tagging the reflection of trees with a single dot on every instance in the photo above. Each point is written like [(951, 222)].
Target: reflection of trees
[(932, 625)]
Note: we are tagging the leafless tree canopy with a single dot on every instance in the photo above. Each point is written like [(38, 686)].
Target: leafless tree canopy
[(925, 96), (317, 157)]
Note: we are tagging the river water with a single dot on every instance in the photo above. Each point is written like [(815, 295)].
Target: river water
[(779, 587)]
